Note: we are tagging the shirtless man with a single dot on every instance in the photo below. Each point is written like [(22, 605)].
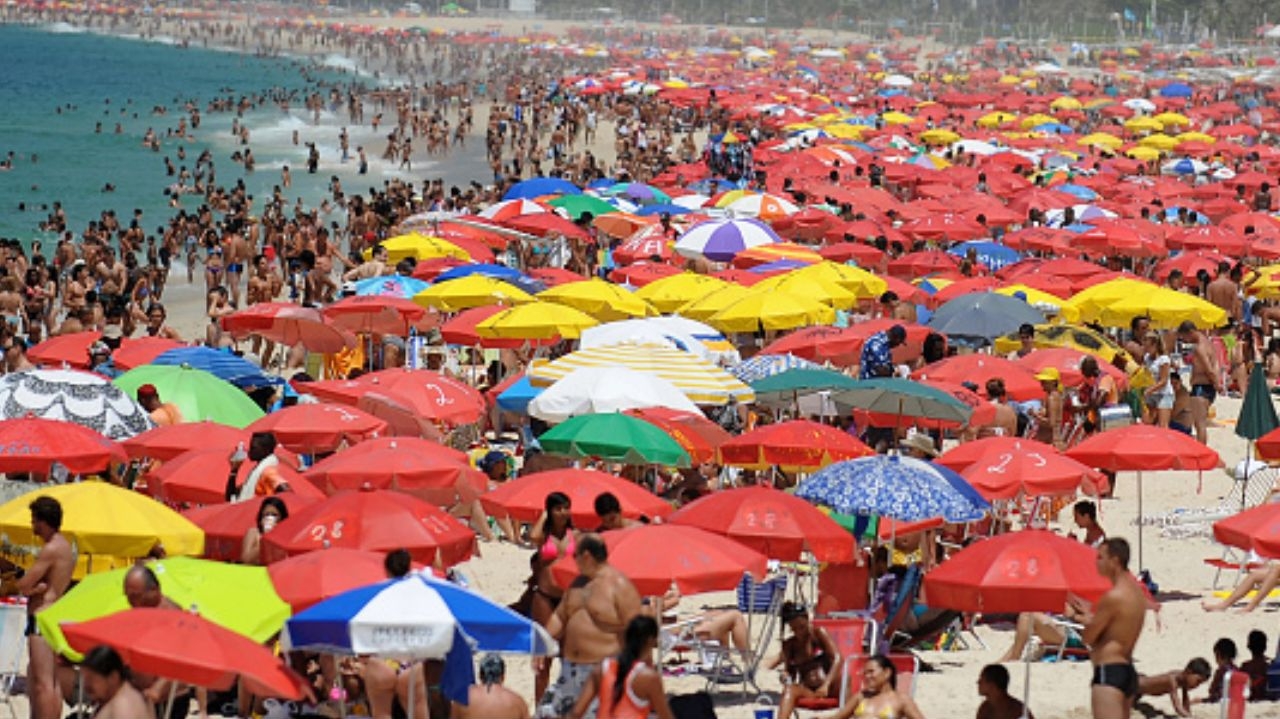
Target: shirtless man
[(375, 266), (219, 307), (589, 624), (1005, 423), (489, 699), (43, 584), (238, 254), (1205, 376), (112, 277), (1111, 630), (106, 681), (1223, 292)]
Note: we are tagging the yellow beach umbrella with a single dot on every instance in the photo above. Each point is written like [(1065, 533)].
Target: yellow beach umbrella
[(103, 519), (1065, 102), (711, 303), (536, 321), (1159, 141), (603, 300), (771, 311), (996, 119), (1036, 120), (471, 291), (1167, 309), (1088, 303), (1146, 154), (1143, 124), (1175, 119), (699, 380), (863, 284), (419, 247), (1100, 139), (893, 117), (845, 130), (815, 288), (1267, 286), (940, 136), (1195, 136), (671, 293)]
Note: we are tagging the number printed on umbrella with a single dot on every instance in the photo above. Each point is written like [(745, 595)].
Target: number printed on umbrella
[(321, 533)]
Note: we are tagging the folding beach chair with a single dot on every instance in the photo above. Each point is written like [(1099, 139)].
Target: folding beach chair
[(754, 598)]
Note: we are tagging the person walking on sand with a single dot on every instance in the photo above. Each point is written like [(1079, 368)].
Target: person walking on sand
[(1111, 631), (43, 584), (589, 623)]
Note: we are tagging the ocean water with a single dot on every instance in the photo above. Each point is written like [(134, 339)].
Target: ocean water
[(91, 78)]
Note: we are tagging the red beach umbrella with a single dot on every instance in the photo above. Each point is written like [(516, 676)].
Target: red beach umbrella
[(774, 523), (311, 578), (169, 441), (308, 428), (225, 524), (1256, 529), (523, 499), (799, 443), (415, 467), (34, 444), (426, 394), (71, 350), (379, 315), (1019, 381), (461, 330), (139, 351), (1032, 469), (699, 436), (199, 476), (287, 324)]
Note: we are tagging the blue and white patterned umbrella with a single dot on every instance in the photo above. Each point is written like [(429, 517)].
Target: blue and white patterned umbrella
[(722, 240), (219, 363), (761, 366), (901, 488), (390, 286)]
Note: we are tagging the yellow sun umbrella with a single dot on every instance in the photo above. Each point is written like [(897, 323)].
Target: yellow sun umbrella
[(1267, 285), (536, 321), (1175, 119), (1039, 299), (771, 311), (1143, 124), (471, 291), (996, 119), (845, 130), (1146, 154), (603, 300), (671, 293), (419, 247), (1167, 309), (104, 520), (1195, 136), (939, 136), (859, 281), (1100, 139), (1087, 304), (1065, 102), (713, 302), (815, 288), (699, 380), (1159, 141), (893, 117), (1037, 120)]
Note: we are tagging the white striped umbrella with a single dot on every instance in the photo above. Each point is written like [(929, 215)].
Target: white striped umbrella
[(698, 379)]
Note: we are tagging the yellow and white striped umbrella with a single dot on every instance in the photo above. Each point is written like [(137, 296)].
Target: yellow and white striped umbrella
[(701, 381)]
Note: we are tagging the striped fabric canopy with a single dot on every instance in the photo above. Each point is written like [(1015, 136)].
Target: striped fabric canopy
[(701, 381)]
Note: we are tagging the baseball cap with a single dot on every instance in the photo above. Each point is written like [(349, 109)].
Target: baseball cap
[(1049, 374), (148, 390)]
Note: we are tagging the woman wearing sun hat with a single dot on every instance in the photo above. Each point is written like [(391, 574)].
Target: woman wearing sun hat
[(1049, 426)]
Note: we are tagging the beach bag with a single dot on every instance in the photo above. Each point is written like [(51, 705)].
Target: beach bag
[(697, 705)]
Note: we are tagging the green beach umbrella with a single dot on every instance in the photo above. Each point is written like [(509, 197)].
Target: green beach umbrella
[(579, 205), (198, 394), (615, 437), (787, 385), (234, 596), (1257, 412), (890, 395)]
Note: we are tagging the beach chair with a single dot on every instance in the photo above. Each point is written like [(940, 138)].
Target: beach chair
[(854, 637), (1235, 694), (754, 598), (1246, 493), (907, 666), (13, 651)]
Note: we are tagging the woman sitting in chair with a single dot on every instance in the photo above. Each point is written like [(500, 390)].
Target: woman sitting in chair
[(879, 698), (812, 665)]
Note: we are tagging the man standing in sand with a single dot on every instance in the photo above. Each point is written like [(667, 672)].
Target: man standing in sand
[(43, 584), (489, 699), (1205, 376), (1111, 631), (238, 254), (589, 624)]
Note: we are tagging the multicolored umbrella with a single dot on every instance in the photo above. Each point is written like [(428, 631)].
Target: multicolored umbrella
[(900, 488), (721, 240)]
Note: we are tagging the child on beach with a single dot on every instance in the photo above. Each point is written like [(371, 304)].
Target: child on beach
[(1224, 654), (1178, 685), (1256, 666)]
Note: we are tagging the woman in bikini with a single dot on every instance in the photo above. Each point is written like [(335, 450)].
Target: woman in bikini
[(879, 698), (810, 660), (554, 537)]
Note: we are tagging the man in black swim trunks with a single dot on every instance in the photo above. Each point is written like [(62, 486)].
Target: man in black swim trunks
[(1112, 628)]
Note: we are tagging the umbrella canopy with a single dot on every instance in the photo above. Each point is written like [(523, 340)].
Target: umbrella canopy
[(600, 390), (471, 291), (768, 366), (1029, 571), (524, 498), (673, 292), (1019, 381), (377, 315), (536, 321), (603, 300), (771, 310), (692, 559), (225, 524), (774, 523), (311, 578), (896, 487), (701, 381), (680, 333), (189, 649), (1256, 529), (233, 596), (696, 434), (167, 442), (79, 397), (310, 428), (721, 240), (1258, 411), (221, 364), (429, 395), (904, 398), (137, 351), (390, 285), (982, 316), (1032, 469), (104, 519), (540, 187), (71, 350), (616, 437), (373, 520), (199, 476), (796, 445), (35, 445), (1142, 447), (198, 394), (416, 467), (286, 323)]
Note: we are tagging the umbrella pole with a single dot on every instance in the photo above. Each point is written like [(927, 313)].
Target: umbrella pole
[(1141, 566), (1026, 687), (168, 705), (412, 672)]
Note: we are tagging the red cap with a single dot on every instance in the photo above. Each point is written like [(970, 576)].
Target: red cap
[(148, 390)]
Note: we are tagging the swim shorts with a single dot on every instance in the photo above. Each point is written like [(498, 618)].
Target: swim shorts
[(1118, 676), (561, 696)]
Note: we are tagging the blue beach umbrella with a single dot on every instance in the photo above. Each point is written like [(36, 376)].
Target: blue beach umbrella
[(661, 208), (540, 186), (223, 365), (901, 488), (639, 193), (1176, 89), (390, 286), (517, 397), (1080, 191), (991, 254), (497, 272)]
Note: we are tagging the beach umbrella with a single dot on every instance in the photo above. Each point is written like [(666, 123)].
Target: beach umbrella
[(199, 476), (1020, 381), (771, 310), (524, 498), (1033, 570), (311, 578), (1176, 89), (496, 271), (72, 396), (639, 274), (600, 299), (310, 428), (374, 520), (461, 330), (390, 286), (237, 597), (721, 240), (512, 208), (641, 193), (137, 351), (198, 395), (897, 487), (471, 291), (966, 454), (225, 524), (36, 445), (221, 364), (599, 390), (788, 387), (982, 316), (615, 437), (1075, 337), (540, 187), (287, 324), (514, 393), (680, 333), (190, 649), (1067, 361), (417, 247), (696, 434), (821, 289), (103, 519), (414, 466), (797, 445), (1031, 469), (904, 398), (692, 559), (772, 522), (377, 315), (71, 350), (1166, 308), (698, 379), (1256, 529), (767, 366), (1142, 447), (425, 394), (1258, 412), (165, 443), (578, 206), (536, 321)]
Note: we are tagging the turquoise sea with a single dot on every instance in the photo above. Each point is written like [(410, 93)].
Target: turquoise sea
[(95, 78)]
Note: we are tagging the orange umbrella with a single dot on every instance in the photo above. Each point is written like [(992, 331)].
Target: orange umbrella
[(800, 444)]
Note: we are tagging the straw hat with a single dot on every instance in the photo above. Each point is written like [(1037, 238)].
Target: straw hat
[(920, 442)]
